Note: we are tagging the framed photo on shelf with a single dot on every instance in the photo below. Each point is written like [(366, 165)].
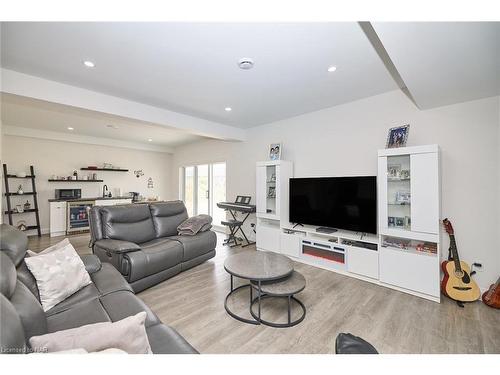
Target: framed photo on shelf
[(400, 222), (271, 192), (275, 151), (391, 221), (404, 174), (398, 136), (403, 197)]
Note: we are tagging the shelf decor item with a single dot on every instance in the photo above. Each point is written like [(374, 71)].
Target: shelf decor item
[(403, 197), (394, 171), (27, 205), (20, 190), (398, 136), (275, 151), (271, 192)]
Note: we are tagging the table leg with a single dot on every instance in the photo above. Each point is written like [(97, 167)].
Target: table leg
[(289, 310), (251, 294), (259, 299), (231, 283)]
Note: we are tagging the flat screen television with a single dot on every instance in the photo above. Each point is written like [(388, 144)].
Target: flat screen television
[(348, 203)]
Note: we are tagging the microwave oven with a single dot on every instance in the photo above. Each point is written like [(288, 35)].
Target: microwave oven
[(68, 193)]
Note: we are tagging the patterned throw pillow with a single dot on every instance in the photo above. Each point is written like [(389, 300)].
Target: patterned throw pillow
[(59, 274)]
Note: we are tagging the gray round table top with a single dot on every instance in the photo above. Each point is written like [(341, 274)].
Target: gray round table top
[(258, 265), (288, 286)]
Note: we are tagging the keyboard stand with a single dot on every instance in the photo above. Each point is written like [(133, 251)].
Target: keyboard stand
[(240, 228)]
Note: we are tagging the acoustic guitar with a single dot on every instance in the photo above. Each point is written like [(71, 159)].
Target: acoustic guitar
[(457, 282), (492, 296)]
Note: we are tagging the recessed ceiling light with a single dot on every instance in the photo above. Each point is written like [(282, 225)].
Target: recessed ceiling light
[(112, 126), (332, 69), (70, 128), (150, 140), (245, 63), (88, 64), (228, 109)]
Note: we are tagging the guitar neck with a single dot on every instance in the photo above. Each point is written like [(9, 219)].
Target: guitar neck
[(454, 252)]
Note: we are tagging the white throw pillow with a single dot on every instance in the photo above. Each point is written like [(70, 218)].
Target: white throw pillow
[(57, 246), (59, 274), (128, 334)]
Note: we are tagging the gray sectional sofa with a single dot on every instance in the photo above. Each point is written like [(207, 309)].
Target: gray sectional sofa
[(141, 241), (108, 298)]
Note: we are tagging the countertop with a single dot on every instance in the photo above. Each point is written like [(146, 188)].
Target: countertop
[(88, 199)]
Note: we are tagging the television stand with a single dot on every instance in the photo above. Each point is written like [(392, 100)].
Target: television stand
[(326, 230)]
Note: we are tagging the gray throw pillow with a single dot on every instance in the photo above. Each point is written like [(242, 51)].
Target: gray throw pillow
[(128, 334)]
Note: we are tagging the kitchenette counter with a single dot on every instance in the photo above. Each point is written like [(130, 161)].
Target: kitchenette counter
[(88, 199)]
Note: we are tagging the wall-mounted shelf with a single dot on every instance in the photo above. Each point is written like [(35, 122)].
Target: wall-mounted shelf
[(14, 176), (104, 169), (76, 180), (20, 195), (24, 212)]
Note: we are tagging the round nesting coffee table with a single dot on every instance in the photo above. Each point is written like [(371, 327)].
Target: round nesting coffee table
[(256, 266), (283, 288)]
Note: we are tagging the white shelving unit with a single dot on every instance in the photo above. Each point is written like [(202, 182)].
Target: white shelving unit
[(379, 259), (409, 224), (272, 185)]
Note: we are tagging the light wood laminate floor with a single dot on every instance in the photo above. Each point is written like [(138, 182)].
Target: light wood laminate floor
[(394, 322)]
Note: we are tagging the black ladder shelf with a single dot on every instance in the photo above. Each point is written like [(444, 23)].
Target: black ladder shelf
[(32, 193)]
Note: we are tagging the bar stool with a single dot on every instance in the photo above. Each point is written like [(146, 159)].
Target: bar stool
[(233, 226)]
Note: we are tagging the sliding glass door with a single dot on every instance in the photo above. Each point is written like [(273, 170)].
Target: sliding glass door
[(202, 187)]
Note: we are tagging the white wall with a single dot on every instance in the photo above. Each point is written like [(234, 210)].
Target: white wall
[(344, 140), (61, 158)]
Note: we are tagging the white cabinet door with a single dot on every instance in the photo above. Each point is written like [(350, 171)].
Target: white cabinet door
[(105, 202), (362, 262), (424, 193), (417, 272), (260, 189), (382, 193), (290, 244), (268, 238), (57, 218)]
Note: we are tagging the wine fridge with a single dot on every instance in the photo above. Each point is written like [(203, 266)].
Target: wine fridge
[(78, 219)]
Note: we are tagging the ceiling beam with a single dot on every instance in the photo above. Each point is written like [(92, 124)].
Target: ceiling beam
[(78, 138), (39, 88), (375, 41)]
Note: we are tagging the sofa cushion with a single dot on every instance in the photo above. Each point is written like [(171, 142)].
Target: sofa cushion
[(166, 340), (12, 339), (167, 216), (87, 293), (86, 312), (13, 242), (197, 245), (8, 276), (119, 305), (156, 255), (131, 223), (26, 277), (109, 280), (30, 311)]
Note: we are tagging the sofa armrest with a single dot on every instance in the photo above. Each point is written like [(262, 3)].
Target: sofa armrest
[(91, 262), (117, 246)]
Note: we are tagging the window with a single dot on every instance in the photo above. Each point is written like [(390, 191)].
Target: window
[(202, 187)]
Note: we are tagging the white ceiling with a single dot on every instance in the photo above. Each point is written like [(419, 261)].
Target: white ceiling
[(28, 113), (192, 67), (443, 63)]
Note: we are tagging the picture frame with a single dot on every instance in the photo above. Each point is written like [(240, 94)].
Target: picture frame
[(391, 221), (275, 151), (398, 136), (403, 197), (400, 222), (271, 193)]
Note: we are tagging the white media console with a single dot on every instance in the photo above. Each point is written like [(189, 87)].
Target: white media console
[(405, 255)]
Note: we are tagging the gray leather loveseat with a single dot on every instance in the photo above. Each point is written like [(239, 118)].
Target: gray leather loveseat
[(108, 298), (141, 241)]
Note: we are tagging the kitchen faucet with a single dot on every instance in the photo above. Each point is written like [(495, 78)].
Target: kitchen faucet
[(105, 191)]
